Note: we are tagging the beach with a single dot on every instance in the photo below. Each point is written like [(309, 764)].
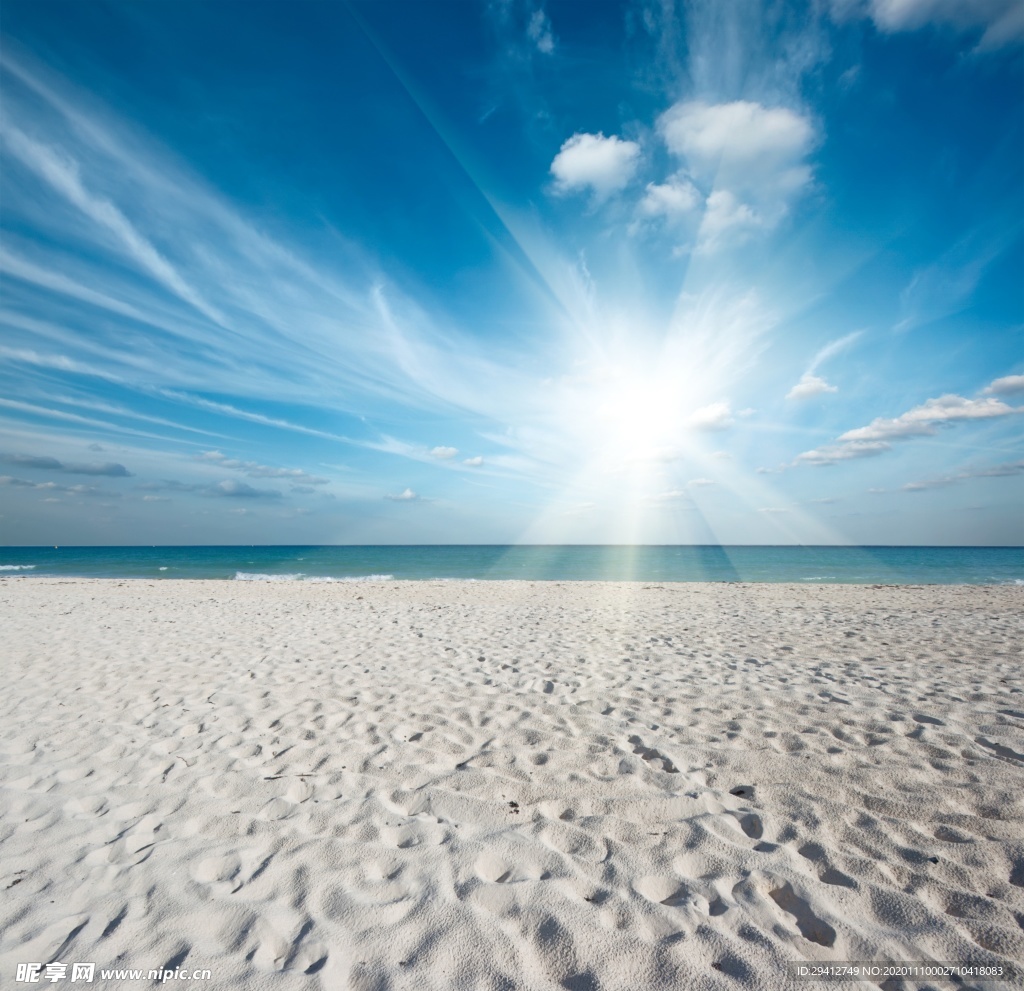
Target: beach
[(502, 784)]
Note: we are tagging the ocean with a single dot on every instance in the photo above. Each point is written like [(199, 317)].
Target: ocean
[(685, 563)]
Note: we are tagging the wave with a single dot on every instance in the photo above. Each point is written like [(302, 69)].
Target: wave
[(16, 567), (248, 576)]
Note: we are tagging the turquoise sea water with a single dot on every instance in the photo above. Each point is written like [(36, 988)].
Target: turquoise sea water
[(857, 565)]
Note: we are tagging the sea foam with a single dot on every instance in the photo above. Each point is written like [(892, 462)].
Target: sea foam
[(248, 576)]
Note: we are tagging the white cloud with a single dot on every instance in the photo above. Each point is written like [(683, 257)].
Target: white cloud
[(675, 495), (700, 482), (407, 496), (240, 490), (1001, 22), (539, 32), (474, 462), (742, 138), (773, 509), (605, 165), (1008, 385), (256, 470), (677, 197), (727, 220), (809, 386), (715, 416), (920, 421), (829, 454), (752, 157), (443, 453)]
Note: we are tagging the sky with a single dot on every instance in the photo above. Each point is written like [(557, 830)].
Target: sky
[(515, 271)]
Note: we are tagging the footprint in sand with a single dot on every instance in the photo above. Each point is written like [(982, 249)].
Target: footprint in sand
[(654, 757), (275, 952), (811, 926)]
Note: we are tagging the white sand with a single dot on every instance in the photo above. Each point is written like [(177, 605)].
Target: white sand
[(504, 785)]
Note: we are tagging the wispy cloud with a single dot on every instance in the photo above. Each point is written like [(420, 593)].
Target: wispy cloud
[(75, 490), (999, 22), (406, 495), (945, 286), (920, 421), (256, 470), (674, 496), (538, 30), (714, 416), (311, 332), (226, 409), (811, 384), (63, 174), (87, 421), (229, 488), (1005, 470)]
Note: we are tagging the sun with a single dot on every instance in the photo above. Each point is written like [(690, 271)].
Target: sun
[(638, 416)]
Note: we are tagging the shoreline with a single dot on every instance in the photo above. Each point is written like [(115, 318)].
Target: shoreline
[(647, 564), (580, 582), (509, 783)]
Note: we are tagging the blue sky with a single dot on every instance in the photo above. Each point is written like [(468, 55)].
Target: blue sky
[(512, 272)]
